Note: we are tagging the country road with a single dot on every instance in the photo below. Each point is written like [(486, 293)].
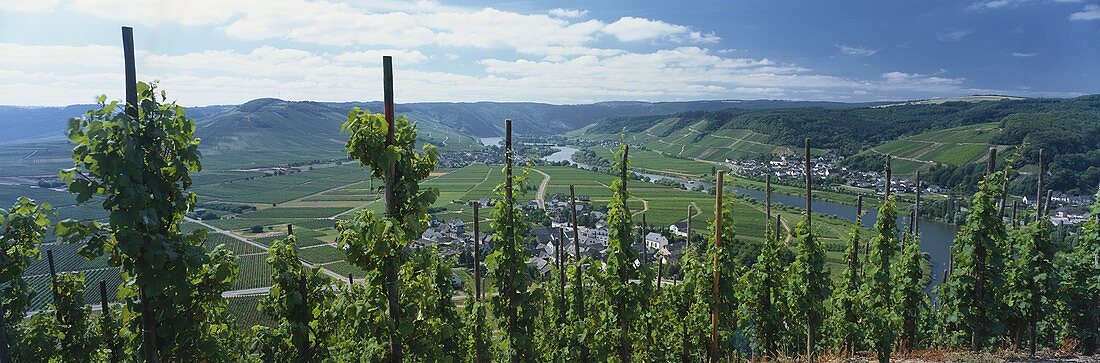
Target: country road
[(540, 197)]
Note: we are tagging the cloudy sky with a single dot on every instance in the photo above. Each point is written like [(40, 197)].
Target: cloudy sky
[(55, 52)]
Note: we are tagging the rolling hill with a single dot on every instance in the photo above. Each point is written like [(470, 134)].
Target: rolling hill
[(959, 132)]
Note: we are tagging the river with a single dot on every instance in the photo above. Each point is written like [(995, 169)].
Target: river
[(936, 237)]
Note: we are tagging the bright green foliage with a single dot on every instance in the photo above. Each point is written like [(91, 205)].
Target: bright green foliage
[(878, 290), (430, 327), (846, 302), (476, 332), (1032, 282), (624, 295), (1080, 271), (909, 290), (808, 283), (507, 271), (141, 167), (761, 296), (376, 244), (22, 228), (691, 301), (295, 303), (77, 341), (971, 304)]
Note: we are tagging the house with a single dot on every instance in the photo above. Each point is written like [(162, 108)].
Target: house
[(678, 229), (655, 241)]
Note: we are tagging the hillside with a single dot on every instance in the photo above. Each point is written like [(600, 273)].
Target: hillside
[(955, 147), (1066, 128)]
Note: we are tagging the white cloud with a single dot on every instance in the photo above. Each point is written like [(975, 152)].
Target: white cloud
[(999, 4), (76, 74), (856, 51), (954, 36), (28, 6), (1023, 55), (567, 13), (632, 29), (1090, 12)]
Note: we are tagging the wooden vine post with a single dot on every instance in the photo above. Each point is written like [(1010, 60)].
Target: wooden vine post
[(768, 206), (509, 237), (560, 252), (811, 329), (477, 251), (916, 208), (1039, 187), (718, 189), (476, 265), (687, 235), (397, 351), (148, 320), (577, 267)]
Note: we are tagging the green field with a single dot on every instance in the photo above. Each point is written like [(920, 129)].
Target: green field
[(655, 162), (955, 146)]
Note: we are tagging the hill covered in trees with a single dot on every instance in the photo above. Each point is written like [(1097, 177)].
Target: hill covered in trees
[(1066, 128)]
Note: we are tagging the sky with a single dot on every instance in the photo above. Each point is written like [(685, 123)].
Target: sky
[(205, 52)]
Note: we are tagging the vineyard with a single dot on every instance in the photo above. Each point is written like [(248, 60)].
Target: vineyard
[(327, 263)]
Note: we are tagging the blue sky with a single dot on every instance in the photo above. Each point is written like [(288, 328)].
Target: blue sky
[(55, 52)]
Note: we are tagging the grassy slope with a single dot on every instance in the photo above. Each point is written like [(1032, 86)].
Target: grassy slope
[(954, 146)]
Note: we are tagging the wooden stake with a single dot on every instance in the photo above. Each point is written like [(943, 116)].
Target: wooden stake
[(768, 205), (53, 275), (991, 163), (688, 234), (1015, 205), (397, 351), (477, 252), (916, 206), (1039, 187), (886, 186), (809, 180), (718, 188), (289, 229), (811, 331), (1046, 205), (560, 251), (509, 231), (579, 293)]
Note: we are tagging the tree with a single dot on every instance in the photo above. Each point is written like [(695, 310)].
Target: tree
[(140, 163), (1080, 272), (295, 303), (971, 307)]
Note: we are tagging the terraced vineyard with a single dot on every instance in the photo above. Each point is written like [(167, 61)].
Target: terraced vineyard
[(955, 146)]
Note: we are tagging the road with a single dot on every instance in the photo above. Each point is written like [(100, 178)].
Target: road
[(540, 197)]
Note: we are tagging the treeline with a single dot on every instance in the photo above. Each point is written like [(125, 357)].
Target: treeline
[(1068, 129)]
